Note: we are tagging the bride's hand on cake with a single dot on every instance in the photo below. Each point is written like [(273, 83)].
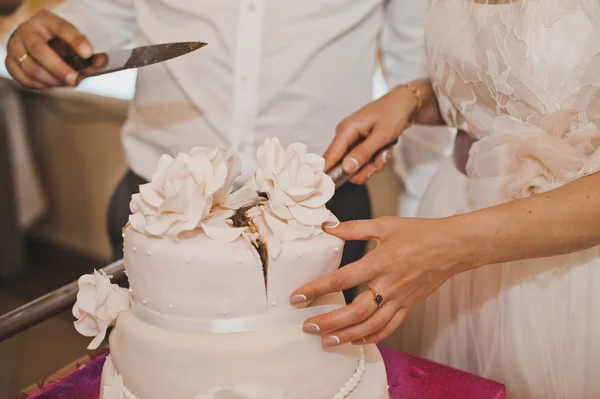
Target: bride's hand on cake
[(413, 258), (375, 126)]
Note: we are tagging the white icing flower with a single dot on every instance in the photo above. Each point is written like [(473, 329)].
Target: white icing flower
[(183, 191), (295, 182), (226, 165), (98, 304), (245, 391)]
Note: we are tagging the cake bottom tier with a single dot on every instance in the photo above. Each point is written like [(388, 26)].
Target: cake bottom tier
[(373, 384), (148, 362)]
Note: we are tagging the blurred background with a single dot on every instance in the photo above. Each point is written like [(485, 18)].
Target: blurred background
[(60, 159)]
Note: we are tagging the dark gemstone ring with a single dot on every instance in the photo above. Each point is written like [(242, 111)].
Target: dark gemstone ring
[(377, 297)]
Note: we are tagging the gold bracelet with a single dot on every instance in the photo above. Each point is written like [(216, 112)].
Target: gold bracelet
[(418, 97)]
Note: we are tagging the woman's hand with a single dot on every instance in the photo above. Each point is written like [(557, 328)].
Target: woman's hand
[(33, 63), (377, 124), (413, 258)]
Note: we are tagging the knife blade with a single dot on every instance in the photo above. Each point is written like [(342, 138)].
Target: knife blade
[(119, 60)]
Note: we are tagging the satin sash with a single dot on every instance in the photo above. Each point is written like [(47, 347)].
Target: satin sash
[(228, 326)]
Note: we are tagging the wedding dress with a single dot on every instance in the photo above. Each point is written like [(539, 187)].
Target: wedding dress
[(524, 79)]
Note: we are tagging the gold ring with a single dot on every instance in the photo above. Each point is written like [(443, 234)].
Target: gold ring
[(377, 297), (22, 58)]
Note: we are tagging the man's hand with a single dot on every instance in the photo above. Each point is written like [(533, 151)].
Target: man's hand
[(33, 63)]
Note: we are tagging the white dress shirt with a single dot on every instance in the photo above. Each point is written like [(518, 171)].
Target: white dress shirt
[(282, 68)]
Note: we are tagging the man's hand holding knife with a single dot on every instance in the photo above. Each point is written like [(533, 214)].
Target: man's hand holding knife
[(31, 60)]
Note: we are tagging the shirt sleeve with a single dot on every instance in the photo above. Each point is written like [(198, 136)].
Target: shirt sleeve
[(403, 41), (107, 24)]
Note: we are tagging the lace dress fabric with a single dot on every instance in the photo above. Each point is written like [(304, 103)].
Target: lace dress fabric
[(523, 78)]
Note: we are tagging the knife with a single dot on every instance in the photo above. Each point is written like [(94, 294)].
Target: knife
[(119, 60), (340, 177)]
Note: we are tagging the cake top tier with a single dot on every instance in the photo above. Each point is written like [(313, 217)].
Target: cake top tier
[(194, 191), (198, 253), (197, 249)]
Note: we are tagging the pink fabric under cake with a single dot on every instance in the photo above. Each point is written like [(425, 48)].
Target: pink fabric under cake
[(409, 377)]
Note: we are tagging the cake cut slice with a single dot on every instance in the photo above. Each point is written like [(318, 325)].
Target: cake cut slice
[(242, 219)]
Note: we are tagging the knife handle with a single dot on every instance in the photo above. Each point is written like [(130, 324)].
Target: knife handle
[(68, 55), (340, 177)]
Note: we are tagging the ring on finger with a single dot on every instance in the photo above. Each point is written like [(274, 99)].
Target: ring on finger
[(377, 297), (22, 58)]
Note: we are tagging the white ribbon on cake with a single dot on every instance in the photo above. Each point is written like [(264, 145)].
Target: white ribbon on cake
[(228, 326)]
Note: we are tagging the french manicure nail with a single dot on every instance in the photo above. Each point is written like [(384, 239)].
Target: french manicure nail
[(385, 156), (369, 175), (331, 225), (350, 165), (85, 50), (71, 78), (311, 328), (331, 341), (296, 299), (359, 341)]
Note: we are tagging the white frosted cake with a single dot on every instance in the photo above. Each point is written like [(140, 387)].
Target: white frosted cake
[(211, 271)]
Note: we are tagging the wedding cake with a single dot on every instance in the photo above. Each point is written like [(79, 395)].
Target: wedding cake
[(211, 271)]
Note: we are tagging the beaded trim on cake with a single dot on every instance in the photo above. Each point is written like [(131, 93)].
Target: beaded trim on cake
[(352, 383), (344, 391)]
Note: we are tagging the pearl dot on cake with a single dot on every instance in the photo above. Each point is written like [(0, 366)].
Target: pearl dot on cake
[(337, 249), (144, 301), (123, 235), (134, 249), (224, 313), (274, 303), (148, 253), (130, 289), (170, 306)]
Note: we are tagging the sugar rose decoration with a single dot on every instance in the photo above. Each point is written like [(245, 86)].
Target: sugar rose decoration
[(295, 183), (183, 192), (98, 304)]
